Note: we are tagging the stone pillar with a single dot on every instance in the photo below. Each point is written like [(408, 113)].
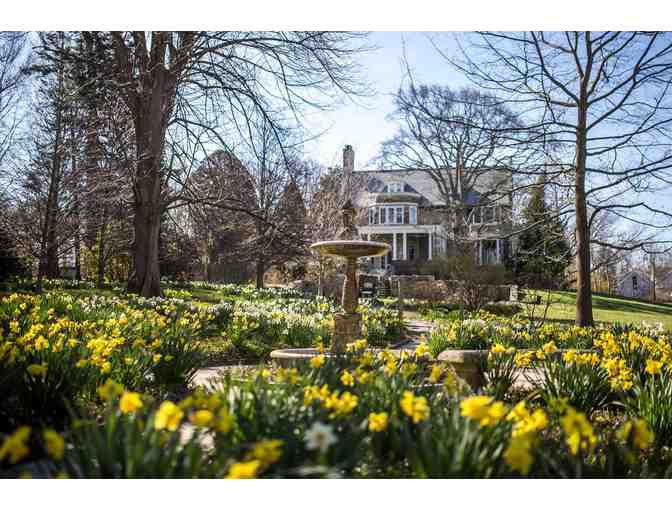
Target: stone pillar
[(404, 255), (429, 250), (394, 246), (348, 325), (350, 290), (347, 329), (348, 169)]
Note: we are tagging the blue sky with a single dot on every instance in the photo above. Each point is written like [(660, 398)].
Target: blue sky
[(363, 123)]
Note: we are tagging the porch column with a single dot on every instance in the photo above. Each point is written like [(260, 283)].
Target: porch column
[(429, 251), (405, 253), (394, 246), (499, 252)]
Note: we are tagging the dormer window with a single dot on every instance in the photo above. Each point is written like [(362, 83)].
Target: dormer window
[(395, 187)]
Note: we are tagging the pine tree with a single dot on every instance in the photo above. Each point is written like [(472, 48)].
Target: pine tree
[(543, 252)]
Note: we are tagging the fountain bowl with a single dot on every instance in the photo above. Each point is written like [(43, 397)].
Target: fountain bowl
[(350, 249), (300, 357)]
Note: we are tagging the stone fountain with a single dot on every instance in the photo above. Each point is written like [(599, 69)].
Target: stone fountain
[(347, 324)]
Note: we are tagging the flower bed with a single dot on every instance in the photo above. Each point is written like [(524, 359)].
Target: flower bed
[(56, 349), (358, 416), (485, 330)]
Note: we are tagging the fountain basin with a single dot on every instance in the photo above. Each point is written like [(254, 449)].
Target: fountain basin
[(350, 249), (300, 357)]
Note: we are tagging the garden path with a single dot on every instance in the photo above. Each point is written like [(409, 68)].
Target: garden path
[(415, 330)]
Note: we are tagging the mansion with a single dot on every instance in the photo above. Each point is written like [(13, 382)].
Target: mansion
[(406, 209)]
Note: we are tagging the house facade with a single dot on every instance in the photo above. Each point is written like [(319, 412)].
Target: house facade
[(635, 284), (407, 210)]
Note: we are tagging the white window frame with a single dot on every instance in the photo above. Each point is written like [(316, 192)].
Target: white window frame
[(476, 216), (393, 215), (395, 187)]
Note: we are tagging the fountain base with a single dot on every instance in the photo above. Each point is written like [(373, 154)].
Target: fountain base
[(347, 328)]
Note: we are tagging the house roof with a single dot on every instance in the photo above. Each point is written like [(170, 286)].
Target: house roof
[(419, 182), (632, 272)]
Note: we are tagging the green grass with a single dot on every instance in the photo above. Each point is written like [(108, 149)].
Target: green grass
[(605, 309)]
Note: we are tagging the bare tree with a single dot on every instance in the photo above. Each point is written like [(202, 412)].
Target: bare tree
[(12, 49), (602, 99), (463, 141), (183, 86)]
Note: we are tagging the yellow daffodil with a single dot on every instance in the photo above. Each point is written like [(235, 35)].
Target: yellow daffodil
[(168, 416), (639, 431), (378, 422), (653, 367), (54, 444), (317, 361), (243, 470), (267, 452), (435, 374), (202, 418), (130, 402), (347, 379), (422, 350), (578, 431), (14, 446), (483, 409), (414, 407), (517, 455)]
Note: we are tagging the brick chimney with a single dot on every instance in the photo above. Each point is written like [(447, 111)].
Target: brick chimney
[(348, 160), (348, 169)]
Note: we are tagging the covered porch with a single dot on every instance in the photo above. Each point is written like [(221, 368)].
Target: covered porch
[(406, 244)]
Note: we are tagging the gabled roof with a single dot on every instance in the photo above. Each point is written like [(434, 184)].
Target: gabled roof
[(415, 181), (641, 274)]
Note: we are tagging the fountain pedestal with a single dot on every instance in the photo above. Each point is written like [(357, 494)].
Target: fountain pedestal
[(348, 324), (347, 328)]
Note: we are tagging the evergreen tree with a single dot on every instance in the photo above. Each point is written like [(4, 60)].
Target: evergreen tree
[(543, 252)]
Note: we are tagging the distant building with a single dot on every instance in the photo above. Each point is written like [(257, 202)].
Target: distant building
[(635, 284)]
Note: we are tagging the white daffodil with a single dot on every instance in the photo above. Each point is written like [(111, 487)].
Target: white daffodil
[(320, 437)]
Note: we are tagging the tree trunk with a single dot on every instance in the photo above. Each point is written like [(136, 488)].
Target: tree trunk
[(261, 270), (78, 255), (149, 131), (653, 278), (100, 262), (584, 303), (146, 277)]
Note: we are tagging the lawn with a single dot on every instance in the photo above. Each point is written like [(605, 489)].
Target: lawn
[(610, 309)]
